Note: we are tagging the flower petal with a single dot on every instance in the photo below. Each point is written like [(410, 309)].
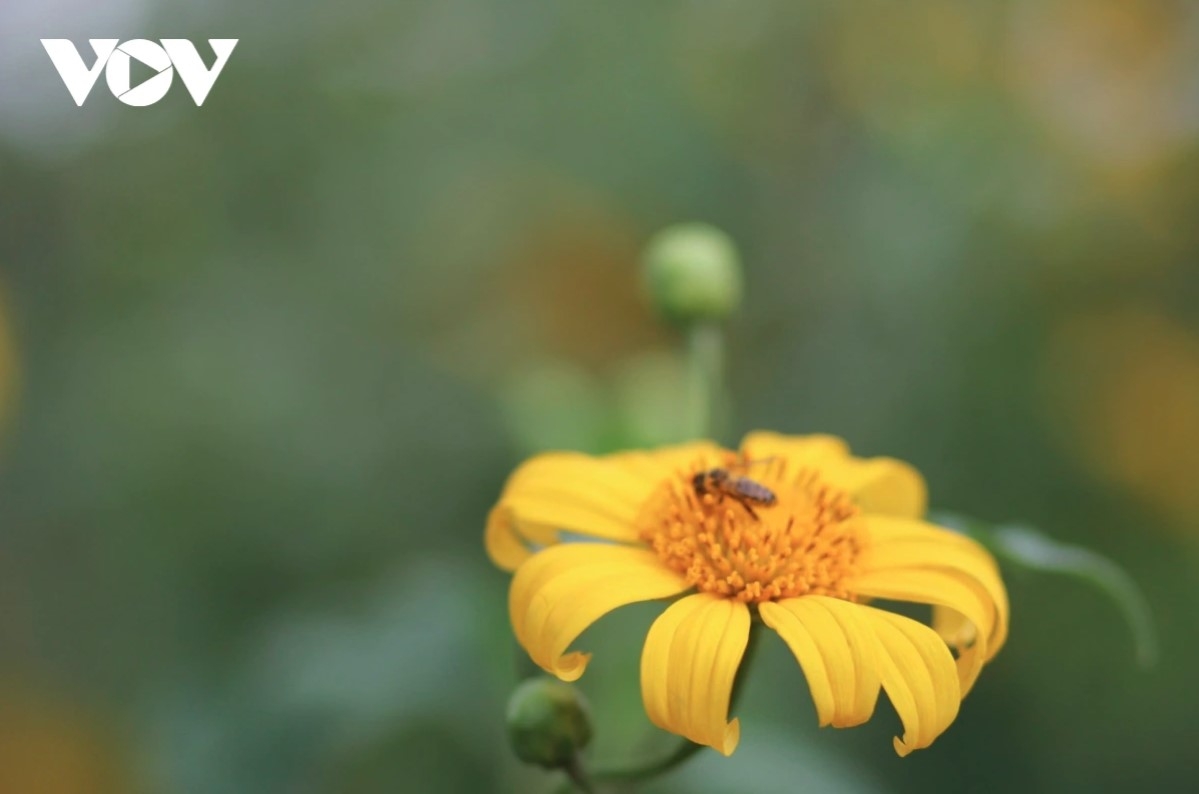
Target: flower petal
[(583, 494), (918, 675), (904, 544), (847, 650), (891, 529), (836, 651), (883, 485), (877, 485), (814, 450), (562, 590), (507, 543), (654, 465), (958, 595), (688, 666)]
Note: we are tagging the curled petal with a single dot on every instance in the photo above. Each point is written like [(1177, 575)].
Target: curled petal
[(835, 649), (914, 546), (953, 626), (918, 675), (507, 542), (966, 617), (848, 650), (562, 590), (582, 494), (688, 666)]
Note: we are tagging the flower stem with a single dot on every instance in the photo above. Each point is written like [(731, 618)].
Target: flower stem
[(578, 776), (705, 375), (687, 748), (650, 769)]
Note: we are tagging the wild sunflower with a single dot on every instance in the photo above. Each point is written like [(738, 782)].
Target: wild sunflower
[(804, 542)]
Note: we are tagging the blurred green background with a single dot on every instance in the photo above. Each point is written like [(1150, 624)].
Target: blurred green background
[(266, 363)]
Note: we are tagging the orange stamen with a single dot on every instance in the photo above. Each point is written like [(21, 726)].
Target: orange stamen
[(806, 543)]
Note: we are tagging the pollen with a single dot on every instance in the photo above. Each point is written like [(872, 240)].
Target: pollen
[(807, 542)]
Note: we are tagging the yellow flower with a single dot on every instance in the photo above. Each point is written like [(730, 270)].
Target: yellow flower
[(838, 532)]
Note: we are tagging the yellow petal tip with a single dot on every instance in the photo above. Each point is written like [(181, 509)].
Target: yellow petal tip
[(732, 737), (504, 547), (571, 666)]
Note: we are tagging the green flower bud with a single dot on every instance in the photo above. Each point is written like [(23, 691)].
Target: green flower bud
[(693, 273), (548, 722)]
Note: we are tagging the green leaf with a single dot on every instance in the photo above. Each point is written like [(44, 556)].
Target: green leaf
[(1037, 551)]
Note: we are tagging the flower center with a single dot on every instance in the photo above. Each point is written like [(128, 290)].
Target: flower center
[(754, 533)]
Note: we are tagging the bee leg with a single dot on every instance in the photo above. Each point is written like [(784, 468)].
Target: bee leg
[(750, 510)]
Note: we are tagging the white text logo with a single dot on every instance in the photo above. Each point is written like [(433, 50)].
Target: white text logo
[(164, 59)]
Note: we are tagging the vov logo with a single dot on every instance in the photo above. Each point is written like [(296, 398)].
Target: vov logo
[(164, 59)]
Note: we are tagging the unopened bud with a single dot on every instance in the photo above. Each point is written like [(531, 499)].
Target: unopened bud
[(693, 273), (548, 722)]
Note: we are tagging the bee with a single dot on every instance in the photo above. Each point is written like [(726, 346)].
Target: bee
[(722, 483)]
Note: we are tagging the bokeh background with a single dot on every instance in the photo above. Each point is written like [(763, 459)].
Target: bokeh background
[(265, 364)]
